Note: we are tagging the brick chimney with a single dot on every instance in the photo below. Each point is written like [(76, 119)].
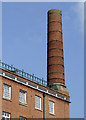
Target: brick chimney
[(55, 56)]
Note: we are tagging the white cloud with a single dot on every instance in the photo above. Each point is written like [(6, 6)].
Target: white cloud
[(79, 11)]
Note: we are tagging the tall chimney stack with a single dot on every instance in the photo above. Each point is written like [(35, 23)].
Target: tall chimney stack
[(55, 57)]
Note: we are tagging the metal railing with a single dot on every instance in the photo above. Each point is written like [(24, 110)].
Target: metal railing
[(24, 74)]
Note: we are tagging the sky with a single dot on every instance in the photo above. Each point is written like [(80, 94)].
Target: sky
[(24, 43)]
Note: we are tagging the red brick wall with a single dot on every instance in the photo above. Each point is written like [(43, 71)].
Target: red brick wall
[(0, 98), (29, 111), (59, 108)]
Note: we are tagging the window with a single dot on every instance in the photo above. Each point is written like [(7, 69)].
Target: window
[(6, 91), (51, 107), (22, 118), (38, 102), (5, 116), (22, 97)]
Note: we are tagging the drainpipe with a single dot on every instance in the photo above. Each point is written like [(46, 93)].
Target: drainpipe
[(43, 106)]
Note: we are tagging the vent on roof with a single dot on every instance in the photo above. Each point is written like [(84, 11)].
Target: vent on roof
[(0, 71), (31, 84), (8, 75), (43, 89), (51, 92), (67, 99), (60, 96), (20, 80)]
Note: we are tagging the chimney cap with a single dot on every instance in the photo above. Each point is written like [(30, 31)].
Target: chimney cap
[(54, 10)]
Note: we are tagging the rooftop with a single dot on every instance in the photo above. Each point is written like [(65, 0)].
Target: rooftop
[(21, 73), (47, 86)]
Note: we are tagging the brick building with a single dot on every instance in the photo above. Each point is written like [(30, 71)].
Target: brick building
[(27, 96)]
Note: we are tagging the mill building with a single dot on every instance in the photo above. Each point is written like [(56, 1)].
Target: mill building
[(26, 96)]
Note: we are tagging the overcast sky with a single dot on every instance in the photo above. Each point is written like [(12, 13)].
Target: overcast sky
[(24, 43)]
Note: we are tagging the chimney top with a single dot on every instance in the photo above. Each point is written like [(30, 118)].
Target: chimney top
[(54, 10)]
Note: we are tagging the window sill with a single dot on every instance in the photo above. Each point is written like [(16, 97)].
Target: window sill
[(7, 99), (23, 104), (38, 109), (52, 114)]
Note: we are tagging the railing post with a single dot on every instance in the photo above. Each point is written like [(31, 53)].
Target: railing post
[(33, 77), (22, 71), (42, 81), (8, 67), (11, 67), (0, 63)]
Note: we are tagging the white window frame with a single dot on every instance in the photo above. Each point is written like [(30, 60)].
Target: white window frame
[(6, 115), (37, 99), (4, 90), (22, 118), (24, 93), (51, 107)]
